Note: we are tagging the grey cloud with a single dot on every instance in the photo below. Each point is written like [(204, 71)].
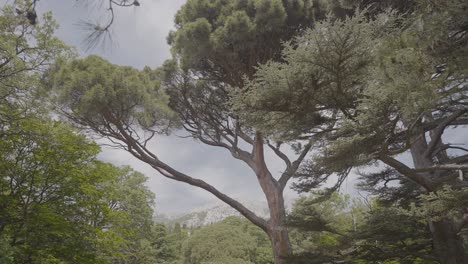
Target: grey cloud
[(138, 33), (215, 166)]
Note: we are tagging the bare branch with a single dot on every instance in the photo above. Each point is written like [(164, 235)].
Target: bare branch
[(439, 130), (280, 154), (442, 167), (459, 159), (406, 171), (289, 172), (100, 34), (448, 146), (459, 148), (142, 153), (245, 137)]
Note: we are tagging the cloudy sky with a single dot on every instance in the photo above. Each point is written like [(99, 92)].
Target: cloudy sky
[(139, 39)]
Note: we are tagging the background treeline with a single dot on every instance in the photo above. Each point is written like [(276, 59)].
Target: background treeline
[(338, 230)]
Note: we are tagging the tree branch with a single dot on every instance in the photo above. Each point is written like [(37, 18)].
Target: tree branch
[(143, 154), (280, 154), (234, 150), (460, 159), (289, 172), (442, 167), (258, 155), (407, 171), (439, 130)]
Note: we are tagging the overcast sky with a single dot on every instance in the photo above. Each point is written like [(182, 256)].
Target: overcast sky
[(139, 39)]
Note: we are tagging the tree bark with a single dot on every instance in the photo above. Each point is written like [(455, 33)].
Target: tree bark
[(275, 227), (273, 190), (278, 232), (448, 244)]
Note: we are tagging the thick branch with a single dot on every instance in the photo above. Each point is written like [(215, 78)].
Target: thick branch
[(280, 154), (178, 176), (407, 171), (448, 146), (234, 150), (442, 167), (439, 130), (245, 137), (258, 154), (143, 154), (460, 159)]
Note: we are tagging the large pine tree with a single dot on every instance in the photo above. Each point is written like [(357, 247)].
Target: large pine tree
[(371, 88)]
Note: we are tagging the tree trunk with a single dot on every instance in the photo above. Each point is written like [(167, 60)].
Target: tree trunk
[(448, 244), (276, 225), (278, 233)]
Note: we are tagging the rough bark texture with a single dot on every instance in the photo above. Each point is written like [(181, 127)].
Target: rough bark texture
[(448, 244), (278, 231), (276, 225), (432, 169)]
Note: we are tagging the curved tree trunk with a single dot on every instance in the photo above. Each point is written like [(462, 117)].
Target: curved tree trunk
[(273, 190), (275, 227)]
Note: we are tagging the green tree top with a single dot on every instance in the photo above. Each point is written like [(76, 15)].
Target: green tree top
[(319, 79), (26, 52), (99, 92), (224, 40)]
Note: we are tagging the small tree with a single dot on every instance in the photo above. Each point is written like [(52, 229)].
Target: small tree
[(58, 204)]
